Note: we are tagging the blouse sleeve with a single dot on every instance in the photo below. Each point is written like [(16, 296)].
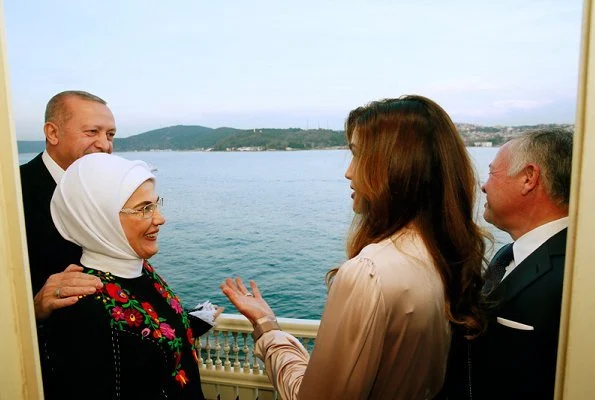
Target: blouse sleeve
[(348, 346)]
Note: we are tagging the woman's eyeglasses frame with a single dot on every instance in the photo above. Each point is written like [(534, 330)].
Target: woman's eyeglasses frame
[(146, 211)]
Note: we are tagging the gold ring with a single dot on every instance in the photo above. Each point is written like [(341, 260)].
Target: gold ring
[(57, 292)]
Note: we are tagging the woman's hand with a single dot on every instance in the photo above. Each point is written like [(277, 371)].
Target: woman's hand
[(252, 305)]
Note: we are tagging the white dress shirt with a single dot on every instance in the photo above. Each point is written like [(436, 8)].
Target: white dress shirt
[(530, 241), (52, 166)]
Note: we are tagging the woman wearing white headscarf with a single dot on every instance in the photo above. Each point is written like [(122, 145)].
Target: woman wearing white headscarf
[(131, 339)]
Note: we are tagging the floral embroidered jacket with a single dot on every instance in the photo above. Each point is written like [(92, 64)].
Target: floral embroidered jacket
[(130, 340)]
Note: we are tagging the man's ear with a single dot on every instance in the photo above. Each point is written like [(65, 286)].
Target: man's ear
[(51, 133), (531, 175)]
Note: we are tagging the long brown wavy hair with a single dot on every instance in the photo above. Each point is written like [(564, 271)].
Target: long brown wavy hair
[(412, 168)]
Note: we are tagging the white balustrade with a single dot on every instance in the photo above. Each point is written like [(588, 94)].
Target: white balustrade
[(229, 370)]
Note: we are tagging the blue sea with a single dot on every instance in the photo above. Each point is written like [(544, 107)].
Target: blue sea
[(279, 218)]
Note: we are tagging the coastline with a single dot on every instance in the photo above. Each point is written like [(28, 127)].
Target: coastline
[(239, 150)]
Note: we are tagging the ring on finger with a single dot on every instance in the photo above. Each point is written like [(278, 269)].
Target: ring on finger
[(57, 292), (248, 294)]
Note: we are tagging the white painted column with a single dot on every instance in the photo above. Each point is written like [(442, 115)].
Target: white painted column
[(20, 376), (576, 356)]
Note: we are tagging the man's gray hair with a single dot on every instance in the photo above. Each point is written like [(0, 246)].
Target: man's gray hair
[(551, 150), (56, 110)]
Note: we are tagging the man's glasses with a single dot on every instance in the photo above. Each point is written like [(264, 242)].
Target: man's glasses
[(146, 211)]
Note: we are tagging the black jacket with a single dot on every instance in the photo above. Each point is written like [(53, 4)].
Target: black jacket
[(508, 363), (131, 340), (49, 252)]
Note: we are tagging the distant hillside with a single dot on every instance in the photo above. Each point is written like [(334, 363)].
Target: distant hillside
[(196, 137), (179, 137), (183, 137), (282, 139)]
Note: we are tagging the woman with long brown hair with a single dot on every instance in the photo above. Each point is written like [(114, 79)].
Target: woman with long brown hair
[(414, 268)]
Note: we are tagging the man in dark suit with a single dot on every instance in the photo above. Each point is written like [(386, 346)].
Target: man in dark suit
[(527, 196), (76, 123)]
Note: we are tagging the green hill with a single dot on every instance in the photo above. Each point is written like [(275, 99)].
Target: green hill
[(183, 137), (196, 137), (179, 137), (281, 139)]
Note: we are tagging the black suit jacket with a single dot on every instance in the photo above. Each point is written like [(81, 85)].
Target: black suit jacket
[(48, 251), (508, 363)]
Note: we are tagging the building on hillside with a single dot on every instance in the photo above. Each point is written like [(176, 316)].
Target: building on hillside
[(482, 144)]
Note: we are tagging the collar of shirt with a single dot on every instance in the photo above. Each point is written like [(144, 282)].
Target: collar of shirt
[(52, 166), (530, 241)]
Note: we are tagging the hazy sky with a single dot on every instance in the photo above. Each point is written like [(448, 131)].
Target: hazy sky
[(293, 64)]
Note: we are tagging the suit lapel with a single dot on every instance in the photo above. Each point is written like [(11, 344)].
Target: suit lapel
[(42, 181), (532, 268)]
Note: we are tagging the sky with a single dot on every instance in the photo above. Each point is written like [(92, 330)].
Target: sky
[(288, 64)]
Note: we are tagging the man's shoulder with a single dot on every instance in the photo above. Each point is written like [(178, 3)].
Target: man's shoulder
[(538, 277), (33, 170), (36, 177), (32, 165), (554, 247)]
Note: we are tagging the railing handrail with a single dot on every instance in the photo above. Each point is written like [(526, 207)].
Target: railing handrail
[(228, 367), (306, 328)]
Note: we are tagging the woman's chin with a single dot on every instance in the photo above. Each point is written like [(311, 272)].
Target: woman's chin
[(149, 253)]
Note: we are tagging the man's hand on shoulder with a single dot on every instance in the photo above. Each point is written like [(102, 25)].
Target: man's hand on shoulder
[(63, 289)]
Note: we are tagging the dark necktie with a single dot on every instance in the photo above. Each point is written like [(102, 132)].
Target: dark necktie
[(497, 268)]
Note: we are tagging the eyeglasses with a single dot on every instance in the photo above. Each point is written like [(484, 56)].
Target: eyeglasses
[(146, 211)]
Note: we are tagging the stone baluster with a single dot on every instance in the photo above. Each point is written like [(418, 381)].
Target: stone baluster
[(218, 362), (209, 362), (236, 352), (255, 365), (246, 350), (198, 347), (229, 368), (226, 350)]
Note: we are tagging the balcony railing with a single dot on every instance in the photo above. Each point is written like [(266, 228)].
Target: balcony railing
[(228, 368)]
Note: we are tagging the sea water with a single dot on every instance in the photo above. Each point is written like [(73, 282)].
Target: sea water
[(279, 218)]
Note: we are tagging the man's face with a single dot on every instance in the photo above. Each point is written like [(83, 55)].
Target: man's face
[(503, 192), (89, 127)]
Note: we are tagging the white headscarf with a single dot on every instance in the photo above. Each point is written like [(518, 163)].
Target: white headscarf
[(86, 208)]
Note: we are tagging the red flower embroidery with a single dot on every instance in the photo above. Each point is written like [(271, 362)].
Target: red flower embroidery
[(161, 290), (148, 267), (133, 317), (118, 313), (167, 331), (149, 310), (116, 292), (181, 377), (142, 315)]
